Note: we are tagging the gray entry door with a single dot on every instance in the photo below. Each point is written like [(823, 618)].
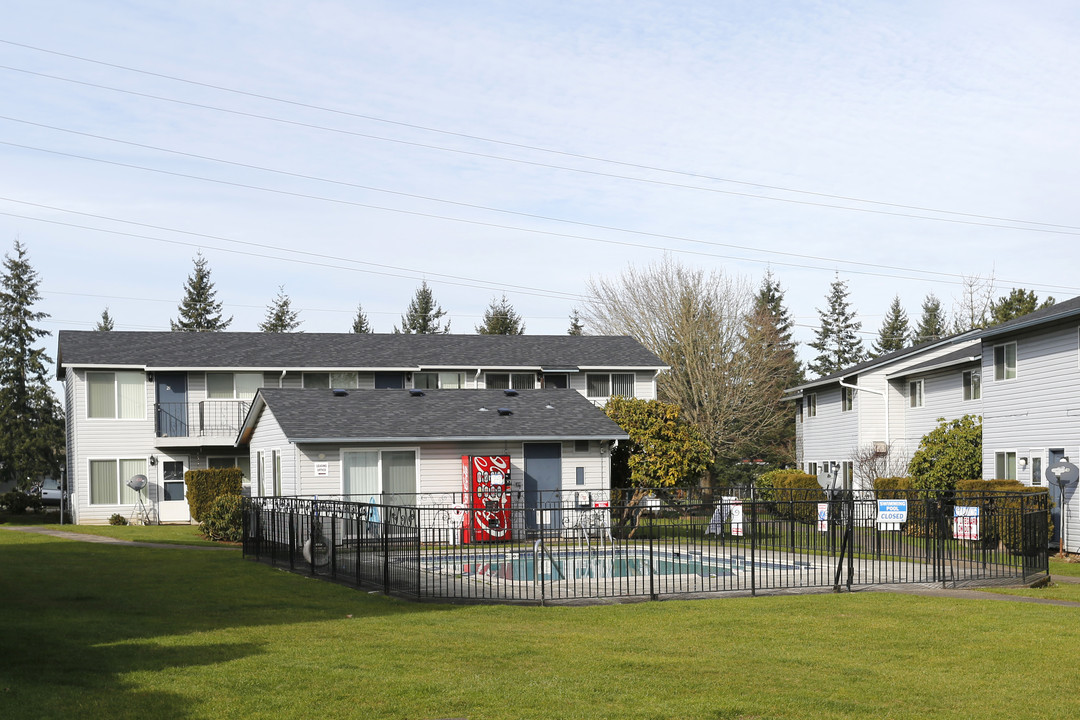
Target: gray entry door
[(172, 416), (543, 477)]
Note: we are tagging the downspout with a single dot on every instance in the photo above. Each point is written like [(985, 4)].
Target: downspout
[(476, 380), (281, 380)]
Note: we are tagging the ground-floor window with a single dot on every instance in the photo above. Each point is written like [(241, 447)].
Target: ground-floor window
[(109, 478), (377, 473), (1005, 466)]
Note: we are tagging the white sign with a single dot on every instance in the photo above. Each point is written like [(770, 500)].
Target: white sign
[(736, 518), (322, 469), (890, 513), (966, 523), (823, 517)]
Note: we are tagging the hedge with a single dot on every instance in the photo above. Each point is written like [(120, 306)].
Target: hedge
[(792, 494), (224, 521), (206, 486), (994, 525)]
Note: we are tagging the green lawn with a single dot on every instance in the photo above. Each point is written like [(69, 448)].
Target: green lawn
[(94, 630), (167, 534)]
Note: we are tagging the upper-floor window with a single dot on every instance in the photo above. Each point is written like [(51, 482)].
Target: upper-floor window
[(232, 386), (119, 394), (847, 399), (439, 380), (327, 380), (915, 393), (507, 381), (556, 381), (606, 385), (811, 407), (1005, 361), (972, 385)]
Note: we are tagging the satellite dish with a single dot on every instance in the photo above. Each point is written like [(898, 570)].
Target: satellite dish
[(137, 483)]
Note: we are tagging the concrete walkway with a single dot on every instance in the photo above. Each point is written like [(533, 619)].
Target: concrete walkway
[(86, 537)]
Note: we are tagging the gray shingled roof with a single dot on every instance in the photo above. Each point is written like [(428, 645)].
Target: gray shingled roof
[(970, 353), (312, 415), (1060, 311), (346, 351)]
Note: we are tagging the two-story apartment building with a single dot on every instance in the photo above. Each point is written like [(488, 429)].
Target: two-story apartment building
[(160, 403)]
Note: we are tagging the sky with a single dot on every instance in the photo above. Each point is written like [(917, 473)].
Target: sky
[(348, 151)]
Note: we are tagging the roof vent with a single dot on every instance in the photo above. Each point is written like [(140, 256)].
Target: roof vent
[(339, 392), (510, 393), (506, 411), (483, 409), (416, 392)]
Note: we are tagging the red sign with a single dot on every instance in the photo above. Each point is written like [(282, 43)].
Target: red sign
[(485, 481)]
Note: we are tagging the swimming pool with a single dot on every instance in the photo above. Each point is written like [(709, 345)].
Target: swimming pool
[(611, 564)]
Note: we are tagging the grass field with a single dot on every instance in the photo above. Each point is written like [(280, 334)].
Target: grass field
[(92, 630)]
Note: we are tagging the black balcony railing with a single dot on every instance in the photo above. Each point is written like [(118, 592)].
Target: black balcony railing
[(580, 546), (206, 418)]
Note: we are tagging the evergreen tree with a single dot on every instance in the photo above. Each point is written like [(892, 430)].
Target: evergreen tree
[(106, 322), (771, 323), (280, 317), (932, 325), (837, 343), (32, 436), (423, 315), (500, 319), (576, 328), (199, 310), (1016, 304), (360, 323), (894, 330)]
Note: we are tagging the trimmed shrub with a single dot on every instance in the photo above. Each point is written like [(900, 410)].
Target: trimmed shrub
[(890, 488), (792, 494), (206, 486), (999, 514), (224, 521), (18, 501), (118, 519)]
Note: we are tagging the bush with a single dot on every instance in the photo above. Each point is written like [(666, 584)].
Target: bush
[(118, 519), (224, 521), (947, 454), (889, 488), (18, 501), (998, 513), (792, 494), (206, 486)]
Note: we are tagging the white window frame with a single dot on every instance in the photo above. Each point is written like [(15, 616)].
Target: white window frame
[(511, 377), (121, 482), (380, 450), (971, 382), (847, 474), (275, 471), (260, 472), (811, 405), (118, 401), (811, 468), (235, 392), (847, 399), (916, 394), (345, 380), (442, 377), (610, 383), (1001, 372), (1040, 455), (1001, 460)]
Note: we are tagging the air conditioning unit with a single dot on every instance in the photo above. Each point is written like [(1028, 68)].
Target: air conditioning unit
[(881, 447)]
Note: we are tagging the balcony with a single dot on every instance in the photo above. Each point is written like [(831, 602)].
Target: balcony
[(219, 420)]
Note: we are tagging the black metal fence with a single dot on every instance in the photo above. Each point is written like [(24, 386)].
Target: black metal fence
[(582, 546)]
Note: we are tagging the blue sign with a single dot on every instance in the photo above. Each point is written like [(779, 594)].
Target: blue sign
[(892, 511)]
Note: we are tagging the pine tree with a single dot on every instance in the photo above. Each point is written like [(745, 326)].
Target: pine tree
[(771, 323), (199, 311), (576, 327), (360, 323), (500, 319), (106, 322), (932, 325), (32, 436), (280, 317), (770, 300), (894, 330), (1016, 304), (423, 315), (837, 342)]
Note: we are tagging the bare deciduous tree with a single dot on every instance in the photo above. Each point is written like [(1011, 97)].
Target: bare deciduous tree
[(972, 310), (727, 372), (877, 460)]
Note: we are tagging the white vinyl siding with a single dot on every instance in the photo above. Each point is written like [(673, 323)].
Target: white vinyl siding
[(119, 395)]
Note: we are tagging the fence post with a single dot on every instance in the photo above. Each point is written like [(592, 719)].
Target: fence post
[(292, 539), (652, 561), (312, 538), (333, 545), (385, 517), (1024, 543), (753, 542)]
